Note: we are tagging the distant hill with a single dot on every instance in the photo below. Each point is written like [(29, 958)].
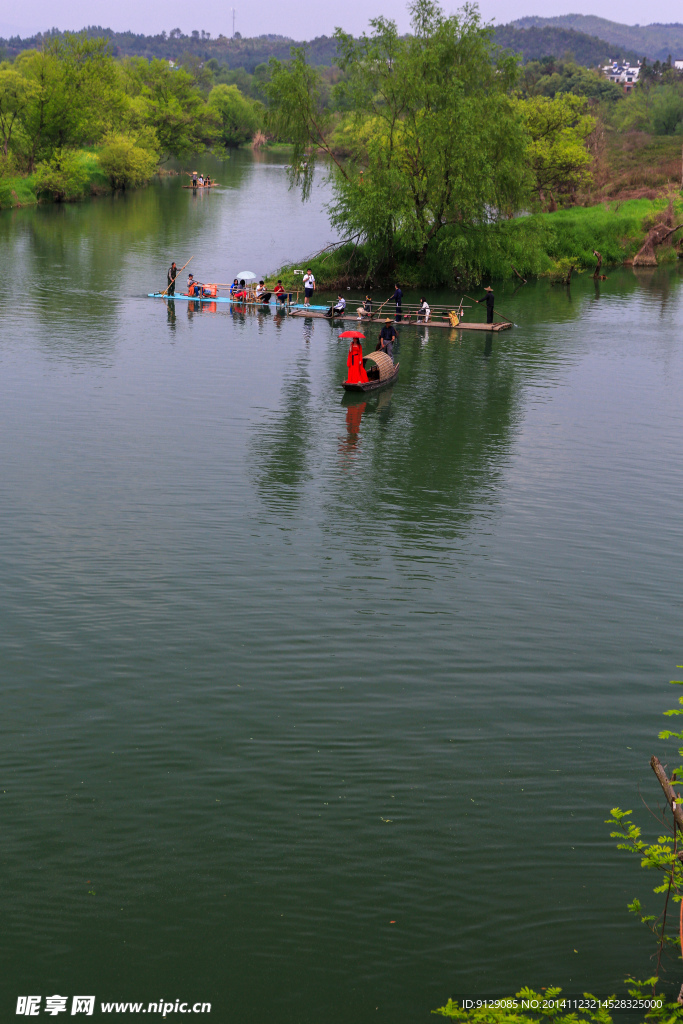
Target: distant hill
[(654, 41), (531, 41), (536, 42), (236, 53)]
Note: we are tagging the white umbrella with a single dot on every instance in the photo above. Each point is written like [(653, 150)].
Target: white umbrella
[(246, 275)]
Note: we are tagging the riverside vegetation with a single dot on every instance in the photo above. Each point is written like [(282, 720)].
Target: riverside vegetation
[(73, 120), (448, 161), (439, 141)]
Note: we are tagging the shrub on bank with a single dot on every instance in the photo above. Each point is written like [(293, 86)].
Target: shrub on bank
[(125, 163), (68, 176)]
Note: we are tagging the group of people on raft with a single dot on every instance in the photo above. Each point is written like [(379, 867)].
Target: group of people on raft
[(240, 292), (200, 180)]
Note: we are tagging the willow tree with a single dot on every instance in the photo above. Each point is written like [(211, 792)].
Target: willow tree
[(436, 144)]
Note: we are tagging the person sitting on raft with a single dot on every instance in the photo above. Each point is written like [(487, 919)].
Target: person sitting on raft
[(262, 294), (387, 337), (242, 294), (424, 312), (234, 287), (281, 295), (365, 311), (193, 287), (338, 309)]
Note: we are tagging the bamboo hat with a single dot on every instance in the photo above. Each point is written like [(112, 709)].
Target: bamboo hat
[(388, 320), (488, 288)]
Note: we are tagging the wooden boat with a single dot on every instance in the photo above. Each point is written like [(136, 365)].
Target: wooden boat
[(380, 370), (441, 324), (213, 184)]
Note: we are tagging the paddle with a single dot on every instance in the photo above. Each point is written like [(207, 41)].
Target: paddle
[(177, 272)]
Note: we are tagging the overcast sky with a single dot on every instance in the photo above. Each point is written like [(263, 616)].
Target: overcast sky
[(298, 20)]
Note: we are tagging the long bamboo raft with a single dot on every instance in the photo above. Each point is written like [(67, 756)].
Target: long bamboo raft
[(252, 304), (407, 320)]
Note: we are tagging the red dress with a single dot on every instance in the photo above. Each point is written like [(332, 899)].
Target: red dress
[(354, 361)]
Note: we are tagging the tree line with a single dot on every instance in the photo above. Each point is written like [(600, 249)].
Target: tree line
[(73, 94)]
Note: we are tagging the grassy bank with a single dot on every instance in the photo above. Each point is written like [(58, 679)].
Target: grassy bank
[(531, 246), (79, 175), (76, 174)]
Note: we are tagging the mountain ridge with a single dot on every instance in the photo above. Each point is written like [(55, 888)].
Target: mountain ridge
[(654, 41)]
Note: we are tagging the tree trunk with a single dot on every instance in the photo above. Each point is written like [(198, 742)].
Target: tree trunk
[(645, 257)]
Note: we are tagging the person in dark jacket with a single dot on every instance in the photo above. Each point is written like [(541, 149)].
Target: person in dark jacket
[(489, 300), (387, 337), (398, 299), (170, 277)]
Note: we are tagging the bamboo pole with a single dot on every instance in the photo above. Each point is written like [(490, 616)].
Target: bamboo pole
[(177, 272)]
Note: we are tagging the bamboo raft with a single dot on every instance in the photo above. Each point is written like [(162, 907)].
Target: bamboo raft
[(213, 184), (408, 320)]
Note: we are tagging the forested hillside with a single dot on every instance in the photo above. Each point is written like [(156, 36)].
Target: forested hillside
[(201, 45), (654, 41), (534, 43)]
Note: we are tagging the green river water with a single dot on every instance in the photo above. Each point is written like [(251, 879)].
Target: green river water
[(314, 710)]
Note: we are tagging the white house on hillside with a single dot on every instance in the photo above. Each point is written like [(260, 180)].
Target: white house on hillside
[(623, 74)]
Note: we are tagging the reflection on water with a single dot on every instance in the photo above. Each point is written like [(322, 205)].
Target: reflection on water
[(303, 691)]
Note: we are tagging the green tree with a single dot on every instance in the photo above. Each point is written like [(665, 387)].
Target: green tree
[(168, 100), (15, 92), (238, 118), (558, 129), (74, 97), (435, 142)]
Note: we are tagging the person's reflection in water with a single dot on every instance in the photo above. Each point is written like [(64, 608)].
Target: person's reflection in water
[(488, 346), (354, 415), (170, 314)]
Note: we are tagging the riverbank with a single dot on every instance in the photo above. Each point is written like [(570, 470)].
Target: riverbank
[(531, 246)]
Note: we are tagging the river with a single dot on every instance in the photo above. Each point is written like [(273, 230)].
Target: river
[(315, 710)]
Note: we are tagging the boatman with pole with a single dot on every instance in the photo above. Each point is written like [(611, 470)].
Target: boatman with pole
[(170, 277), (489, 300)]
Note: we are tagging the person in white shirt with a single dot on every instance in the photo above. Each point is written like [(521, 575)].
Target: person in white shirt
[(309, 286), (424, 311), (338, 308)]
